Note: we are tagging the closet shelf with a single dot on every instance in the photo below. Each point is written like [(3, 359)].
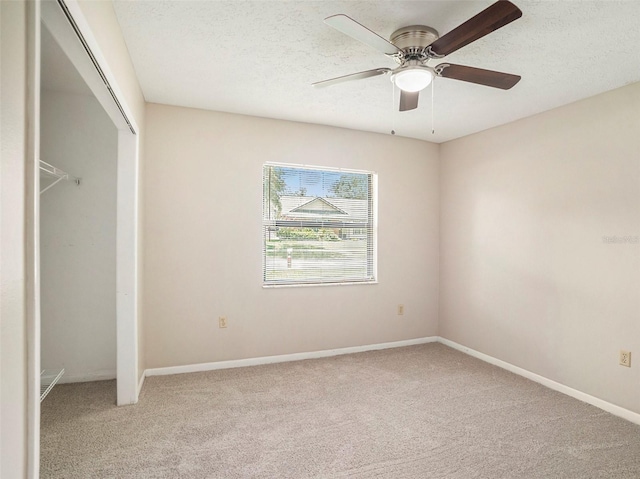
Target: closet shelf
[(48, 379), (53, 172)]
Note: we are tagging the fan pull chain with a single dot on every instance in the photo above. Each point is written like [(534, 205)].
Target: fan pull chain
[(393, 109), (433, 126)]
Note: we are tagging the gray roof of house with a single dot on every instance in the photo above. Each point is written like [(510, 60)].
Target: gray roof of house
[(345, 209)]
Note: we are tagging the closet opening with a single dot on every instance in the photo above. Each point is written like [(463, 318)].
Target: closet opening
[(83, 291), (78, 183)]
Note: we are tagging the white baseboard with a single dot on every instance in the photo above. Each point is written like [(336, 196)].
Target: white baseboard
[(88, 377), (574, 393), (239, 363)]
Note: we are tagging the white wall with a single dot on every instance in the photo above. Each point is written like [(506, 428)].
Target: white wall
[(525, 274), (78, 239), (13, 344), (203, 242)]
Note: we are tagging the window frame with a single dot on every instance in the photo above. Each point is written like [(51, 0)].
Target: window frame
[(371, 227)]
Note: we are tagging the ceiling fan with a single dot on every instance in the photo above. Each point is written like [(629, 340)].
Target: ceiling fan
[(413, 46)]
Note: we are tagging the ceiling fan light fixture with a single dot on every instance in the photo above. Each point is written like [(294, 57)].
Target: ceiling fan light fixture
[(413, 79)]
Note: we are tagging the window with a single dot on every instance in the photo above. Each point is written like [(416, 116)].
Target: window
[(318, 225)]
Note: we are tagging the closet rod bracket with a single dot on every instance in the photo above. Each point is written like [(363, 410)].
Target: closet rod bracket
[(57, 173)]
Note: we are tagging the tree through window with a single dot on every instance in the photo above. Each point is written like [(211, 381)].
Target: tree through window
[(318, 226)]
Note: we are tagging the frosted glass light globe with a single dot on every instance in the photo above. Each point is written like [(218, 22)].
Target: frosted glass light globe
[(413, 80)]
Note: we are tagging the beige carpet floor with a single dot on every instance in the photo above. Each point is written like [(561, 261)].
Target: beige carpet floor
[(418, 412)]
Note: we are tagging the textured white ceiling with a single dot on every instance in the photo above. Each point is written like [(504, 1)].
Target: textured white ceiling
[(260, 58)]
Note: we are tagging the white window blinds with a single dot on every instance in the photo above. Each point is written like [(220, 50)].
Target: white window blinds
[(318, 226)]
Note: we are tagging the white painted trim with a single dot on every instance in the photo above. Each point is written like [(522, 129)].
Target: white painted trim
[(32, 238), (574, 393), (313, 285), (127, 268), (239, 363), (319, 168)]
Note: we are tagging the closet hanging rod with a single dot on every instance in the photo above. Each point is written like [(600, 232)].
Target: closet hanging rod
[(56, 173)]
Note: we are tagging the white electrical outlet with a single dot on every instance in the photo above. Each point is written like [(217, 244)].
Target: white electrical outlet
[(400, 309), (625, 358), (222, 321)]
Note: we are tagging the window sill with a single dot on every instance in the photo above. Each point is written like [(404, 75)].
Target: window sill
[(311, 285)]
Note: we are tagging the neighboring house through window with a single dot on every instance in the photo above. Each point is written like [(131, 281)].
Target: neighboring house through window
[(318, 225)]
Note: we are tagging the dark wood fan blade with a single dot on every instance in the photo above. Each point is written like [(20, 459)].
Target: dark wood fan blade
[(489, 20), (408, 100), (352, 76), (349, 26), (491, 78)]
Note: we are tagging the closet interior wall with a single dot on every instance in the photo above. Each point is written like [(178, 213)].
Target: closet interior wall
[(77, 225)]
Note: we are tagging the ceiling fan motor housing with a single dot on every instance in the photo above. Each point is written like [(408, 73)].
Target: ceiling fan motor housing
[(412, 40)]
